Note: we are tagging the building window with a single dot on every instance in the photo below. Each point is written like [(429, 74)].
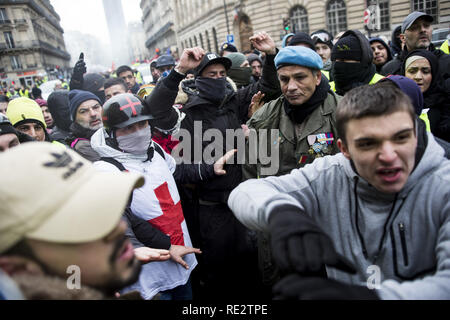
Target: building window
[(201, 40), (15, 63), (216, 47), (3, 15), (299, 19), (207, 41), (336, 16), (384, 13), (428, 6), (9, 39)]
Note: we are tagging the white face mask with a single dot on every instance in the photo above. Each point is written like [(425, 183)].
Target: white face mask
[(137, 142)]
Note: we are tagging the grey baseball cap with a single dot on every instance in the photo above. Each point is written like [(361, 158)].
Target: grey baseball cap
[(412, 17)]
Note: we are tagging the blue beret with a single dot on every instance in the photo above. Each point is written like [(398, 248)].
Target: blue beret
[(298, 55)]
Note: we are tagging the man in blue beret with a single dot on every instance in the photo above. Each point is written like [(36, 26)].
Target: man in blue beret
[(304, 117)]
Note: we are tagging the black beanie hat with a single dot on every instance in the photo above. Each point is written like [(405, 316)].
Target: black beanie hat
[(6, 126), (93, 82), (302, 37), (347, 48)]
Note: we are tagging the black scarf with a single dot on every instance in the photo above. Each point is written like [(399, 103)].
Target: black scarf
[(299, 113), (213, 90), (351, 75), (79, 131), (241, 76)]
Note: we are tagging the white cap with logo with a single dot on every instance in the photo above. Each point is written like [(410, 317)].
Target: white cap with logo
[(53, 194)]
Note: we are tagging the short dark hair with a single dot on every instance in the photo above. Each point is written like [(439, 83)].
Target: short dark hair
[(123, 69), (115, 81), (371, 100)]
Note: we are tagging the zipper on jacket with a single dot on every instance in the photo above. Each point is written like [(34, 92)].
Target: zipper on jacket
[(401, 228)]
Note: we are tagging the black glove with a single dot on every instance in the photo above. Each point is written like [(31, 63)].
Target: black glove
[(79, 69), (299, 245), (297, 287)]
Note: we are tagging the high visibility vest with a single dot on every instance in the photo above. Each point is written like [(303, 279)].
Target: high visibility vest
[(376, 77), (326, 74), (24, 93), (424, 117), (444, 47), (139, 78)]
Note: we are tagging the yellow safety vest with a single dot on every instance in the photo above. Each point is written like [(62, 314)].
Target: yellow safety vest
[(444, 47), (326, 74), (376, 77), (24, 93), (424, 117)]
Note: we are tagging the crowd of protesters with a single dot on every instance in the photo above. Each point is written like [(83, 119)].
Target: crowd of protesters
[(108, 177)]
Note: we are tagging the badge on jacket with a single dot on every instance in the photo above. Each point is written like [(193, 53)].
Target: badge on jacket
[(319, 144)]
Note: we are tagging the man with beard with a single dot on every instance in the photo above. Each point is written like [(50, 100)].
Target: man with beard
[(86, 112), (353, 66), (66, 246), (416, 34)]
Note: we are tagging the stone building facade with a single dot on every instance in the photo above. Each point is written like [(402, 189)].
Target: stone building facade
[(206, 22), (31, 42), (159, 26)]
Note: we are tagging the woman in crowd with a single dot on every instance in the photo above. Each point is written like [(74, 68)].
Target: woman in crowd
[(422, 66)]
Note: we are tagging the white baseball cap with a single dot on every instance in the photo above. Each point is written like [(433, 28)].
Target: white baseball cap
[(52, 194)]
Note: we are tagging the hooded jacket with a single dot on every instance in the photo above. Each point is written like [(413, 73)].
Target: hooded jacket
[(366, 61), (58, 104), (388, 50), (415, 255)]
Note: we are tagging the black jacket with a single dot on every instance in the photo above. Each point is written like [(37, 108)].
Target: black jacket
[(58, 105), (231, 115), (395, 66), (141, 233)]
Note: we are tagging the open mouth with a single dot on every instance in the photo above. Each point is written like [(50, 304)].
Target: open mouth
[(389, 175)]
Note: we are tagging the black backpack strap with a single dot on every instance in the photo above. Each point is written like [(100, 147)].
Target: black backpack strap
[(114, 162), (160, 151)]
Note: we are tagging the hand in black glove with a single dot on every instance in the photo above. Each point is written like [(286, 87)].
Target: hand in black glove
[(79, 69), (297, 287), (299, 245)]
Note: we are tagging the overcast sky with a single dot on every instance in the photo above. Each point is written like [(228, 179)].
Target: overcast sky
[(87, 16)]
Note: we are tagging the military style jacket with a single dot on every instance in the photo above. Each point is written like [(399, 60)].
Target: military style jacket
[(297, 145)]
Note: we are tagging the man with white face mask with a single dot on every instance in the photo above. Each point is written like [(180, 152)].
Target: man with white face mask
[(125, 144)]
